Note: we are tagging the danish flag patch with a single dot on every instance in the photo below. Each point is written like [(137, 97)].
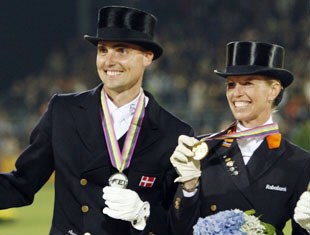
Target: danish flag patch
[(147, 181)]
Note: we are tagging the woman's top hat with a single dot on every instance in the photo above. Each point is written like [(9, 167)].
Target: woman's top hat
[(256, 58), (126, 24)]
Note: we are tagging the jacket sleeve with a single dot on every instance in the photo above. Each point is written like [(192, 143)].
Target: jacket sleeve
[(301, 186), (184, 212), (158, 221), (33, 167)]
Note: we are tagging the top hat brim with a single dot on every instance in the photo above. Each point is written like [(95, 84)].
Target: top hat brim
[(146, 44), (284, 76)]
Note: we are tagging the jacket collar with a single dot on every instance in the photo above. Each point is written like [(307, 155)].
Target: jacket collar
[(263, 158), (86, 111)]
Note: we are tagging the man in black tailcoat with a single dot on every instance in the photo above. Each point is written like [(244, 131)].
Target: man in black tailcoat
[(109, 146)]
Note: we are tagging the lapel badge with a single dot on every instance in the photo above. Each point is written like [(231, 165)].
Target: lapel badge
[(232, 169), (230, 165), (227, 142), (235, 173), (147, 181), (177, 203)]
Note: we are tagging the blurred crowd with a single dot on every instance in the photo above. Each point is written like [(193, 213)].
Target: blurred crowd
[(194, 35)]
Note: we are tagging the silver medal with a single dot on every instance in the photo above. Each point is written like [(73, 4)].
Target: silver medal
[(118, 180)]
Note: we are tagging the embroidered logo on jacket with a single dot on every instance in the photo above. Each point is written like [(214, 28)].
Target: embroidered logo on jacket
[(275, 188), (147, 181)]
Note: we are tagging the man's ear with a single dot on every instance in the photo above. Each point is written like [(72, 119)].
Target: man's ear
[(148, 57)]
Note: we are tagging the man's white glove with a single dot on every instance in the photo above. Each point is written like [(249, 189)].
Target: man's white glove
[(183, 159), (125, 204), (302, 211)]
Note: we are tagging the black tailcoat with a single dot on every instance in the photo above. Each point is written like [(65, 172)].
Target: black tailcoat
[(69, 139), (271, 183)]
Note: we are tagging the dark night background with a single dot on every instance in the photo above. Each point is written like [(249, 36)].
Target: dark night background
[(29, 31), (42, 52)]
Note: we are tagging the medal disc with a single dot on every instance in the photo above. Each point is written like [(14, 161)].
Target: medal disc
[(118, 180), (200, 150)]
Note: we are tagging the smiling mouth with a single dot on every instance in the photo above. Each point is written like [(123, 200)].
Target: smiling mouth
[(113, 73), (241, 104)]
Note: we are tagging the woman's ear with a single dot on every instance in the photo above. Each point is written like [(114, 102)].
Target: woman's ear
[(275, 90)]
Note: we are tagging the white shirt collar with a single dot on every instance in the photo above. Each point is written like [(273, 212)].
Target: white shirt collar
[(240, 127), (122, 116), (125, 108), (248, 146)]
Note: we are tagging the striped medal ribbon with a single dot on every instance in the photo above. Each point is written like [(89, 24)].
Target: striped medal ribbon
[(201, 148), (259, 131), (121, 160)]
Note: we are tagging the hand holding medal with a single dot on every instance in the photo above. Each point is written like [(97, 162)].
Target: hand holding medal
[(118, 180), (200, 150), (186, 158), (122, 203), (125, 204)]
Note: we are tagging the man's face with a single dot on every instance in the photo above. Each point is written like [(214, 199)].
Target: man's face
[(121, 66), (250, 98)]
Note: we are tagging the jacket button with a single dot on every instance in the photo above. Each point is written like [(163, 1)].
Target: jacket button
[(83, 182), (213, 207), (84, 209)]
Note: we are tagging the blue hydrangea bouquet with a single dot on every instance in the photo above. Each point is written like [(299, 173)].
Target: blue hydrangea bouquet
[(232, 222)]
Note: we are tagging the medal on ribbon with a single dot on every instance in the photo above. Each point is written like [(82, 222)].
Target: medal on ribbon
[(121, 160), (200, 150), (118, 180)]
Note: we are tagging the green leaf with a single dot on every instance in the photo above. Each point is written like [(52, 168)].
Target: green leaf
[(250, 212), (269, 229)]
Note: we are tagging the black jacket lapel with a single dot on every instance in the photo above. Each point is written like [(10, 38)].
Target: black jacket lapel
[(263, 158), (234, 166), (87, 115), (86, 112), (150, 131)]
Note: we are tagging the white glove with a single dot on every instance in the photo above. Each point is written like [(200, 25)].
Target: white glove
[(302, 211), (125, 204), (182, 159)]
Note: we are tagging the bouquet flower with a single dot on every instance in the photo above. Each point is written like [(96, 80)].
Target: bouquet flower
[(232, 222)]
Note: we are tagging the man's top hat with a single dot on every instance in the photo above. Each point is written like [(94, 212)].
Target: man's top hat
[(126, 24), (256, 58)]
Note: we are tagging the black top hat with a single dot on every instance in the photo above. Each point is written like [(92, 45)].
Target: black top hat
[(256, 58), (126, 24)]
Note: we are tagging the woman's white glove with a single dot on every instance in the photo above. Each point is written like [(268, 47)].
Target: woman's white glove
[(183, 159), (125, 204), (302, 211)]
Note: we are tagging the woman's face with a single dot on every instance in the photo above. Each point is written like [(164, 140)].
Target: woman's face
[(250, 98)]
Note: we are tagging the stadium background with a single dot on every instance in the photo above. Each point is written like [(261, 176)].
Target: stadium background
[(43, 52)]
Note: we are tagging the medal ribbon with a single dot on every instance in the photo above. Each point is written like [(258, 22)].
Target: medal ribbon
[(259, 131), (121, 160)]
